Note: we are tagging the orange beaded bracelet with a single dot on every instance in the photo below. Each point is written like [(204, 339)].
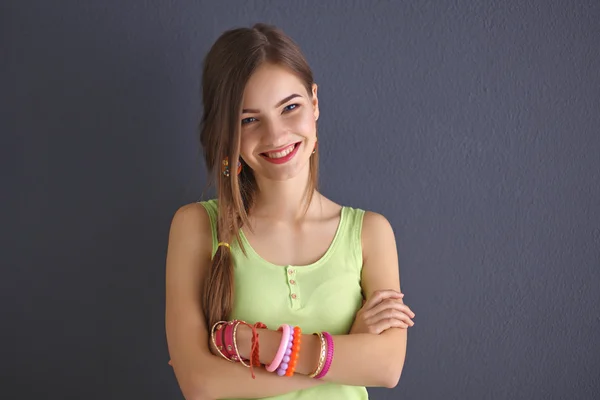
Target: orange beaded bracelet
[(295, 351)]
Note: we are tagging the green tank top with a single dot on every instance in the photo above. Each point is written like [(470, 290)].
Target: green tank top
[(323, 296)]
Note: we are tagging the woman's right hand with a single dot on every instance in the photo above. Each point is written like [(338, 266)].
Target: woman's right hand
[(384, 310)]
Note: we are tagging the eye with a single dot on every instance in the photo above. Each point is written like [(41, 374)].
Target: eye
[(248, 120), (291, 107)]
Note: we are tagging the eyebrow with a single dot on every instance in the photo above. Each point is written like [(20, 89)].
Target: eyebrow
[(280, 103)]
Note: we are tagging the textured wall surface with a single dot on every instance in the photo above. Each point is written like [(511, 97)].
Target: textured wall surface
[(472, 125)]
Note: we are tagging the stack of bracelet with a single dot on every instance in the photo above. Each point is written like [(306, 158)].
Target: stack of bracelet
[(224, 337), (325, 355), (287, 355)]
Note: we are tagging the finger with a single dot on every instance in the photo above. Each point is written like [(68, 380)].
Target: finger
[(389, 304), (385, 324), (385, 304), (392, 303), (381, 295), (390, 314)]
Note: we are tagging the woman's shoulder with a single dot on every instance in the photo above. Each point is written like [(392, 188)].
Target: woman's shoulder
[(372, 223), (374, 220), (191, 223), (370, 219), (376, 229), (192, 211)]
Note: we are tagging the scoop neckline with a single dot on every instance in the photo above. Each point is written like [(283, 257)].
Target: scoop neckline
[(317, 263)]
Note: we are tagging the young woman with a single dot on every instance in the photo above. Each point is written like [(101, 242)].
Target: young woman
[(316, 284)]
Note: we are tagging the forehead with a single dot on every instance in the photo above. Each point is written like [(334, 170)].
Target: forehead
[(269, 84)]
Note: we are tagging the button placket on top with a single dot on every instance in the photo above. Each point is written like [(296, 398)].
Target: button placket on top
[(294, 290)]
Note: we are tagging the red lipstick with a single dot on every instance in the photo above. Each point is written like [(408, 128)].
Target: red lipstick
[(284, 159)]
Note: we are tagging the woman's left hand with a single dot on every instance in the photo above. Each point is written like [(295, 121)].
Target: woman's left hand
[(384, 310)]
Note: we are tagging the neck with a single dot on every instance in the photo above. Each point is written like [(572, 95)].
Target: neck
[(283, 200)]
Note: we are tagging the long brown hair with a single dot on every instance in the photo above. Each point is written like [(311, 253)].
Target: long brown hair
[(233, 58)]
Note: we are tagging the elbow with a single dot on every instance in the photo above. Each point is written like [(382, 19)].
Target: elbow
[(394, 360), (392, 380), (197, 387), (197, 396), (194, 392), (393, 373)]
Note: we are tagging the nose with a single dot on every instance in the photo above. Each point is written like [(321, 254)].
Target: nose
[(274, 133)]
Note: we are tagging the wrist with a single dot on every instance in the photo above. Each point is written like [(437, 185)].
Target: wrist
[(269, 344), (309, 355)]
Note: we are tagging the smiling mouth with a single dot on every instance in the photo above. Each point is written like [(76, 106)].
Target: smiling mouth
[(274, 155)]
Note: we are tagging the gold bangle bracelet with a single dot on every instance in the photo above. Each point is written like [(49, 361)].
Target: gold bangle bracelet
[(322, 355), (237, 353)]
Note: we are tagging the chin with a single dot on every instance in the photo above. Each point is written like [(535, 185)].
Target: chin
[(286, 175)]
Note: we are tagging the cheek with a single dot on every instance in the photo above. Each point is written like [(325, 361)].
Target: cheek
[(304, 123), (247, 143)]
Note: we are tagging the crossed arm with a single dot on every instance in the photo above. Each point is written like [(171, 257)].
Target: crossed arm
[(361, 359)]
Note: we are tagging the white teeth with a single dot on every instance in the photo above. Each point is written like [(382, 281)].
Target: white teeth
[(282, 153)]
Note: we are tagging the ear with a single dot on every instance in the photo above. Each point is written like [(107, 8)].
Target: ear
[(315, 101)]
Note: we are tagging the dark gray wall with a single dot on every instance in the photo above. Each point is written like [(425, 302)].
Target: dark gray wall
[(473, 126)]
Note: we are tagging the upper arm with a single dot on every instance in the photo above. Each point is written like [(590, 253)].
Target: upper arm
[(381, 272), (380, 255), (188, 259)]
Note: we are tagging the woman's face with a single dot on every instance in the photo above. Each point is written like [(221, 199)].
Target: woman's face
[(278, 123)]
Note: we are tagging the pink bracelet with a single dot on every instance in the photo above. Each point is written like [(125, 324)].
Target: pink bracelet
[(287, 356), (329, 359), (228, 341), (283, 345), (217, 339)]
